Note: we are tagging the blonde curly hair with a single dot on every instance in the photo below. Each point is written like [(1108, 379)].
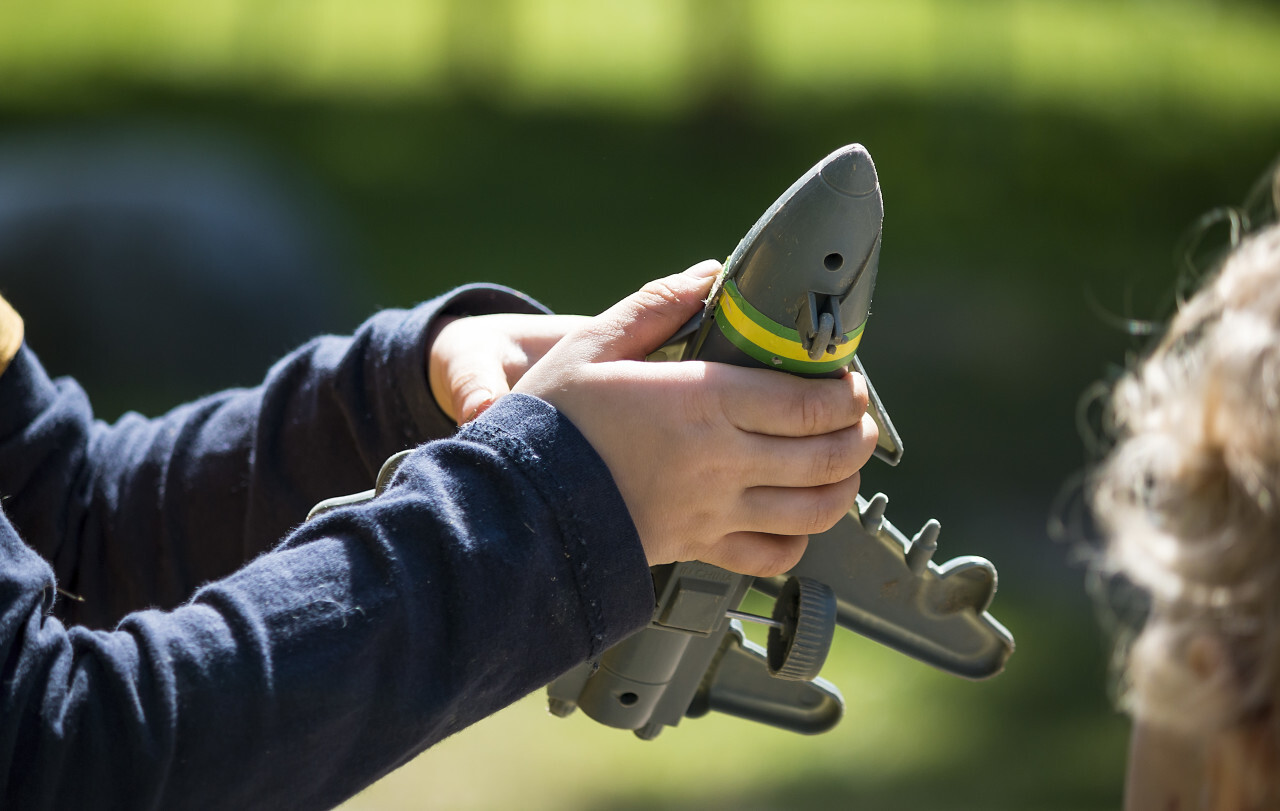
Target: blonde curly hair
[(1189, 501)]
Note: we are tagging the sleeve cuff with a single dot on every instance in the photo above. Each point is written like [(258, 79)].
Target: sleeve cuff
[(25, 392), (412, 336), (603, 549)]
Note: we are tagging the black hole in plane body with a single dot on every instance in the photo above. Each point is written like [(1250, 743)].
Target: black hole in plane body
[(833, 261)]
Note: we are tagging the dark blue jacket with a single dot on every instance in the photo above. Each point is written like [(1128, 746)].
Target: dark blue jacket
[(225, 655)]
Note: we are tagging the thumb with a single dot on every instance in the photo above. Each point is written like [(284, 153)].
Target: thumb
[(474, 392), (640, 323), (465, 378)]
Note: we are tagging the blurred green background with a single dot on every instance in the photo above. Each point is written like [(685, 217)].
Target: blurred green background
[(1039, 161)]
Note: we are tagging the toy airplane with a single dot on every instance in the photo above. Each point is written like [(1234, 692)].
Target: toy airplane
[(795, 296)]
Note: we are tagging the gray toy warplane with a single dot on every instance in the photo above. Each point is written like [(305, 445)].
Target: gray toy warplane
[(794, 296)]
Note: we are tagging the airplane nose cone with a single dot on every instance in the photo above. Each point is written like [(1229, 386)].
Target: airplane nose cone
[(851, 172)]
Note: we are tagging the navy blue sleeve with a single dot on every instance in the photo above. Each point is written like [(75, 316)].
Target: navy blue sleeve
[(496, 560), (139, 513)]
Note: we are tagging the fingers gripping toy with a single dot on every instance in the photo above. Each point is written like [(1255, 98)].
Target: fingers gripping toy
[(795, 296)]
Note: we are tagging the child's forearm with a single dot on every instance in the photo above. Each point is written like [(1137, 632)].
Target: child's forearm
[(494, 561), (140, 512)]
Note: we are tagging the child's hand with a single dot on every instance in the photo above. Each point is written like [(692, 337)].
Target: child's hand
[(475, 360), (723, 464)]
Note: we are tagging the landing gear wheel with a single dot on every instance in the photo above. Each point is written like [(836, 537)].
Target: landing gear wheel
[(806, 611)]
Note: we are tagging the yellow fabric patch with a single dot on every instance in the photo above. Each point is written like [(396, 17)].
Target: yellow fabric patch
[(10, 334)]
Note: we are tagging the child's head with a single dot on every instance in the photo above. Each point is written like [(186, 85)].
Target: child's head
[(1189, 500)]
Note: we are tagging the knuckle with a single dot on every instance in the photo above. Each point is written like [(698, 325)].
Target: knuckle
[(815, 409), (465, 381), (782, 555), (837, 461), (829, 504), (657, 293), (702, 414), (823, 513), (773, 565)]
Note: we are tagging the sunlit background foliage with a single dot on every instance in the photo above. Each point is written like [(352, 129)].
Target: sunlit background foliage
[(1039, 161)]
